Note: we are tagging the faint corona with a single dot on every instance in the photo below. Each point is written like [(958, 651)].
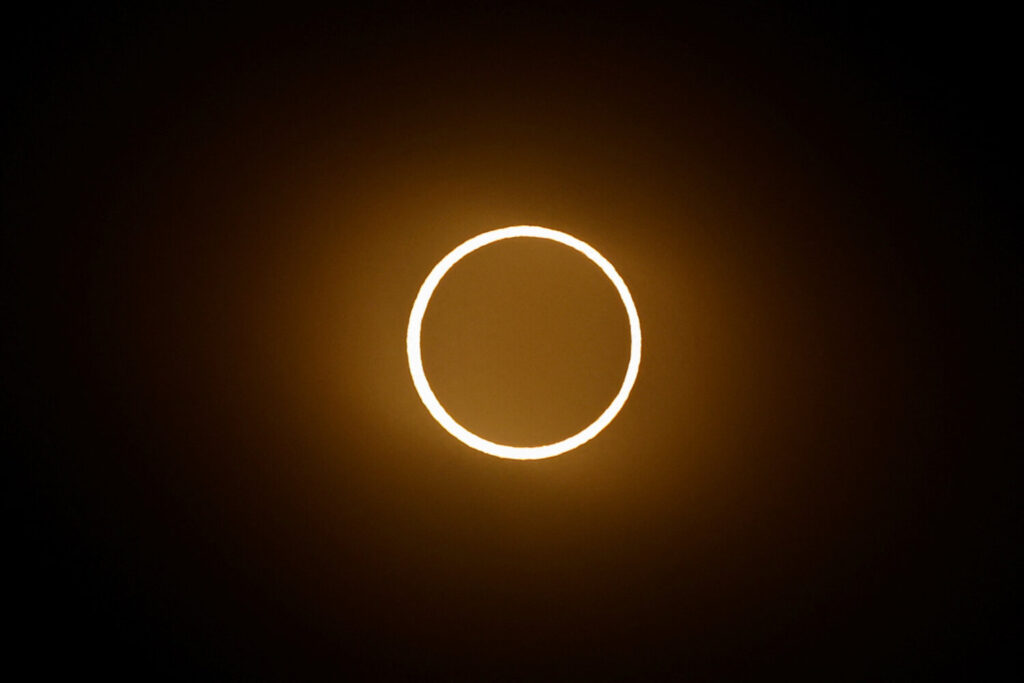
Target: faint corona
[(419, 308)]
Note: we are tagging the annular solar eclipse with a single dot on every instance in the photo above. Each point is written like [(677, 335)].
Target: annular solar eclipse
[(433, 405)]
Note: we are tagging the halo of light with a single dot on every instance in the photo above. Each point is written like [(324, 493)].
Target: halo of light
[(419, 378)]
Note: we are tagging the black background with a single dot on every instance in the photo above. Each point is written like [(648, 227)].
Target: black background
[(816, 199)]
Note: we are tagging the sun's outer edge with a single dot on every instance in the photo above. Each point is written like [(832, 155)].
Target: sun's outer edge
[(419, 309)]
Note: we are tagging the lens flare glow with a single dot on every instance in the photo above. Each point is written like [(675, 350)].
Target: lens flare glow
[(419, 308)]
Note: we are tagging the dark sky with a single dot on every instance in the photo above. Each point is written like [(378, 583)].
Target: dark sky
[(215, 224)]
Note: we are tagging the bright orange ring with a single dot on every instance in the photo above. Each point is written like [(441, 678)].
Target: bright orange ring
[(419, 379)]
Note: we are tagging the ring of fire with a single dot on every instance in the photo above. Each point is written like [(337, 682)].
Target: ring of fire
[(419, 309)]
